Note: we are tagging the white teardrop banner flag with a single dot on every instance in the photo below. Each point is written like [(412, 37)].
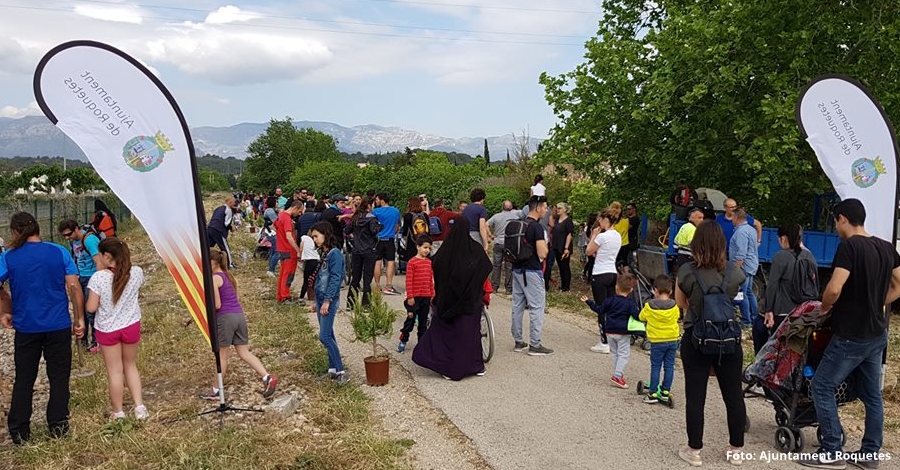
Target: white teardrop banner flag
[(856, 146), (132, 131)]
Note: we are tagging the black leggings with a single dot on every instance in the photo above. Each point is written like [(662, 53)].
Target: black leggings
[(696, 378), (362, 269), (565, 270), (603, 286), (309, 267)]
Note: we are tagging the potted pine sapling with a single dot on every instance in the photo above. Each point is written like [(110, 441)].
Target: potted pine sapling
[(369, 323)]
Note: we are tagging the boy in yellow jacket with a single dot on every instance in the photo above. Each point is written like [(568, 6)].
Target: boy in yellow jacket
[(661, 315)]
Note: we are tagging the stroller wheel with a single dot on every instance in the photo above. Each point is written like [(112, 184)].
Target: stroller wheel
[(670, 403), (798, 438), (784, 439), (633, 339), (641, 388), (645, 345), (781, 418)]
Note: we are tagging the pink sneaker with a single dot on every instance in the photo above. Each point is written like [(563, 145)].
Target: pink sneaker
[(619, 381)]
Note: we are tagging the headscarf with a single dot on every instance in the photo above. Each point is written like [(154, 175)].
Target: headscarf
[(460, 269)]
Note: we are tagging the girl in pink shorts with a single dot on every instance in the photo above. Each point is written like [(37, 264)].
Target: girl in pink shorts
[(113, 295)]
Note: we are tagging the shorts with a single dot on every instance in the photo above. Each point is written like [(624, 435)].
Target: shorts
[(386, 250), (131, 334), (231, 330)]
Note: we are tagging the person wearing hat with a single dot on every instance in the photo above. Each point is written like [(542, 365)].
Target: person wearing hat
[(563, 231), (334, 215)]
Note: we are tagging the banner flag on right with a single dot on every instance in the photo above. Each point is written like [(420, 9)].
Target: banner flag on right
[(856, 146)]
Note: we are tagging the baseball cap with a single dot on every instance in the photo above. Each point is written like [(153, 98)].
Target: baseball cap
[(338, 197)]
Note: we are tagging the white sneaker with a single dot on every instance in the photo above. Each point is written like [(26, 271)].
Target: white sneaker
[(141, 413), (270, 273), (691, 456), (600, 347)]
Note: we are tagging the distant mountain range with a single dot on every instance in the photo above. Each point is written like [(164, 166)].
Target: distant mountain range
[(33, 136)]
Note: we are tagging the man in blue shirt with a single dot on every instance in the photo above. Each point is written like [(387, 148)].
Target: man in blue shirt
[(85, 250), (386, 250), (726, 221), (743, 252)]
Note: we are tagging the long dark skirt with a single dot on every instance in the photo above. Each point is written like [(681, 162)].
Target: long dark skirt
[(451, 348)]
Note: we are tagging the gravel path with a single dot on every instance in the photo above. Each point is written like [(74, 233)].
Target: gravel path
[(561, 411)]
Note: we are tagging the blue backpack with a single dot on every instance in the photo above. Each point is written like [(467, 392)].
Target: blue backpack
[(434, 226), (718, 330)]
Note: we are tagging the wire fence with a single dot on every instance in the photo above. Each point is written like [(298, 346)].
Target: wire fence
[(50, 211)]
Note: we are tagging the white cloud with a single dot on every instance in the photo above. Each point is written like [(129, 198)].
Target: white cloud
[(16, 57), (224, 101), (230, 14), (117, 14), (31, 109)]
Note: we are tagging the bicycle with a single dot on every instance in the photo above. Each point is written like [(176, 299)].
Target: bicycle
[(487, 335)]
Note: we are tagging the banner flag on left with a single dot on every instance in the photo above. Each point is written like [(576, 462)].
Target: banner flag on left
[(136, 138)]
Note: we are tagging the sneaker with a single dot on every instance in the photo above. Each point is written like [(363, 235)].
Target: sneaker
[(342, 377), (270, 383), (539, 350), (860, 460), (211, 394), (600, 347), (94, 349), (270, 273), (141, 413), (481, 374), (117, 415), (691, 456), (390, 290), (822, 459), (619, 381), (401, 346), (664, 396), (330, 375), (734, 455), (520, 347), (300, 302), (287, 301), (651, 398)]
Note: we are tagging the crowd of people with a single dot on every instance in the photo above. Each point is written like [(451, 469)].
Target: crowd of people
[(454, 261)]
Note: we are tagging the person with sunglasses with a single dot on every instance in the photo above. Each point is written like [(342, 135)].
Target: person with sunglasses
[(84, 245)]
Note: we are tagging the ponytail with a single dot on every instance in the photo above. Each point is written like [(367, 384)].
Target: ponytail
[(122, 256), (218, 257), (22, 225), (793, 232)]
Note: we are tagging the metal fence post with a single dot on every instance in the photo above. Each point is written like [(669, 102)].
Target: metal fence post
[(50, 229)]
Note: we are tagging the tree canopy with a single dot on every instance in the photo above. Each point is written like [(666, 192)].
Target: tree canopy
[(703, 92)]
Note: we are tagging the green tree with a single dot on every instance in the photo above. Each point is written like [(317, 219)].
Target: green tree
[(487, 153), (325, 177), (704, 92), (212, 181), (280, 150), (84, 179)]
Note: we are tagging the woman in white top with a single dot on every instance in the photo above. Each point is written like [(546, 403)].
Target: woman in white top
[(604, 246), (113, 295), (538, 189)]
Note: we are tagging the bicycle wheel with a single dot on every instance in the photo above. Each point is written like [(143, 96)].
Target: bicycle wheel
[(487, 336)]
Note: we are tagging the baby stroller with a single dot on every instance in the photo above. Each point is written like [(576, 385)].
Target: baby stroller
[(264, 243), (784, 368), (641, 294)]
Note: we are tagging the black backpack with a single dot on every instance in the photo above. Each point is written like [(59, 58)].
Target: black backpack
[(718, 330), (805, 283), (516, 248)]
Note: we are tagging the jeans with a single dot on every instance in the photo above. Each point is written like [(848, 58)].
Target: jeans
[(548, 270), (760, 333), (90, 334), (56, 347), (749, 306), (326, 334), (662, 355), (286, 276), (528, 292), (842, 357), (696, 378), (620, 348), (501, 265), (419, 311), (273, 256), (362, 268), (565, 270)]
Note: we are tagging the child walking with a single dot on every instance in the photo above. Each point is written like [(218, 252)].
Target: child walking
[(113, 295), (328, 292), (419, 291), (617, 309), (661, 315), (231, 327)]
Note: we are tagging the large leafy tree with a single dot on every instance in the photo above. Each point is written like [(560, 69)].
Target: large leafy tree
[(703, 92), (280, 150)]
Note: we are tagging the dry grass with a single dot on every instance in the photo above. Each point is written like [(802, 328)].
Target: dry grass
[(338, 431)]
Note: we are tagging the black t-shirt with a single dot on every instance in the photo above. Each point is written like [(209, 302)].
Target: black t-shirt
[(859, 311), (559, 233), (331, 215), (533, 233), (634, 223)]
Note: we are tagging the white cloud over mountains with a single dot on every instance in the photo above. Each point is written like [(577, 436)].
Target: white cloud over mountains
[(31, 109)]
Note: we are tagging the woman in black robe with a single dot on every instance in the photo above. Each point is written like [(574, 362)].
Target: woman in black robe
[(452, 344)]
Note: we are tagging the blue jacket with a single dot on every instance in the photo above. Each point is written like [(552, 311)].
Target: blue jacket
[(617, 309), (743, 247), (331, 273)]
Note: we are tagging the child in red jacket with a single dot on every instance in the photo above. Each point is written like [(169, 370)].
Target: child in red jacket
[(419, 291)]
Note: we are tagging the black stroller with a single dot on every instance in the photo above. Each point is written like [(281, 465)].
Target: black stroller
[(785, 376), (641, 294)]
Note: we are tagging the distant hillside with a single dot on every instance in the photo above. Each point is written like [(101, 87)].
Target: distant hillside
[(35, 136)]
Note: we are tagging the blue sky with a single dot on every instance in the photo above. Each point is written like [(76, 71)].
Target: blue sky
[(449, 67)]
